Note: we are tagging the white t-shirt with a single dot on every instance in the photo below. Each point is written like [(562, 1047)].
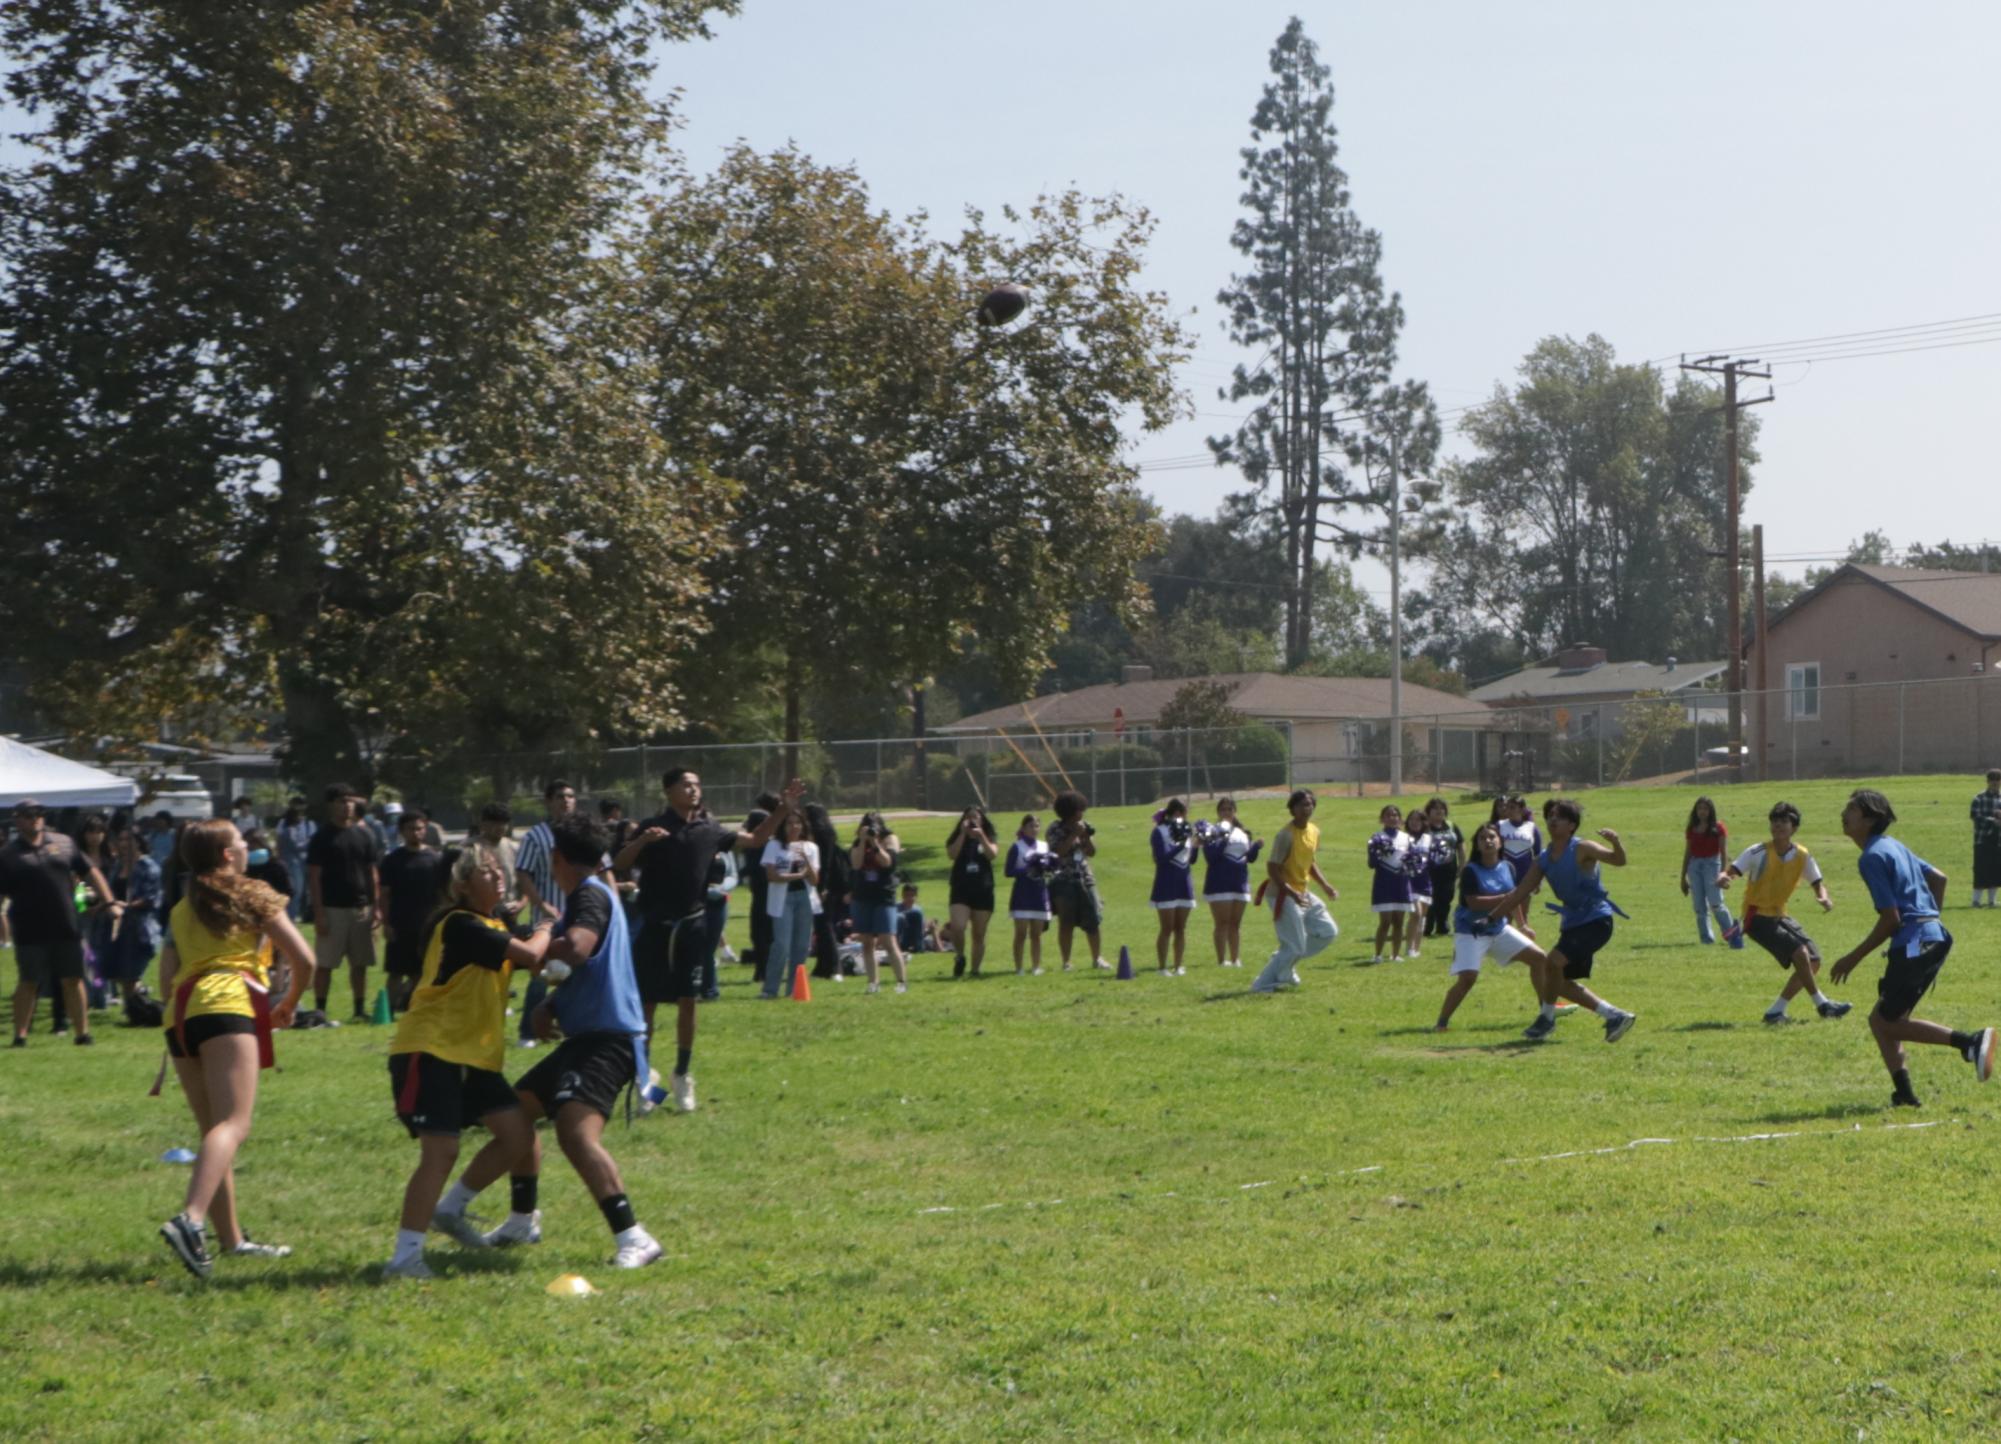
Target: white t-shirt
[(781, 856), (1751, 865)]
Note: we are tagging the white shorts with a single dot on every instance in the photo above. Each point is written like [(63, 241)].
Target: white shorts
[(1392, 908), (1469, 950), (1030, 917), (1174, 905), (1216, 897)]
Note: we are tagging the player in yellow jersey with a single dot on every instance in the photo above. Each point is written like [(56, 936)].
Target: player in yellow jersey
[(1300, 919), (1771, 871), (445, 1060), (213, 973)]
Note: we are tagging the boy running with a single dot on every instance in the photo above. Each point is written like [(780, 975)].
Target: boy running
[(1906, 890), (1771, 870), (1300, 919), (1572, 866)]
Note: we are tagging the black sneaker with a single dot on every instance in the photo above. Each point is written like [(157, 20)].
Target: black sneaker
[(85, 1040), (1618, 1027), (1833, 1009), (20, 1040), (61, 1025), (1540, 1029), (1905, 1098), (184, 1237), (959, 966)]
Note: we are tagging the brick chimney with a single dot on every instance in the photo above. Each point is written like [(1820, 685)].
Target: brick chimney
[(1135, 672), (1578, 657)]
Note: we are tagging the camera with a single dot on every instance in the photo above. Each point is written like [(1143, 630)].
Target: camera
[(1178, 830), (1042, 864)]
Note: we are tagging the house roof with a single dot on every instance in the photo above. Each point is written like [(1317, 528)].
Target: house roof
[(1554, 682), (1970, 601), (1261, 695)]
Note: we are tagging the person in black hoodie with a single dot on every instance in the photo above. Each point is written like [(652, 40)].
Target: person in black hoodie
[(835, 883)]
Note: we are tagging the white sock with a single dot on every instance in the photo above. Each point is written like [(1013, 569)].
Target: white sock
[(626, 1237), (1818, 996), (1549, 1011), (456, 1198), (409, 1244), (1606, 1010), (1778, 1007)]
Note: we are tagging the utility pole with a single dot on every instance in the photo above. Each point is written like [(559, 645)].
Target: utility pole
[(1758, 620), (1396, 619), (1730, 368)]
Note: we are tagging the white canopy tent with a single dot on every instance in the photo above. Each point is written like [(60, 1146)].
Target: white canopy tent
[(57, 782)]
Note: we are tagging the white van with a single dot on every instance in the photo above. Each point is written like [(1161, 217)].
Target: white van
[(178, 794)]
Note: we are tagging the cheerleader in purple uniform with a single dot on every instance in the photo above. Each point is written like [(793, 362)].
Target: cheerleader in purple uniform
[(1028, 862), (1417, 862), (1229, 852), (1173, 899), (1389, 897)]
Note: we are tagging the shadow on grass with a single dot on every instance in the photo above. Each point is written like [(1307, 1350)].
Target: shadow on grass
[(1709, 1027), (266, 1276), (1815, 1115)]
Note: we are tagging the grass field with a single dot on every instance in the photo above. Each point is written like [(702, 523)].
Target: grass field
[(1071, 1208)]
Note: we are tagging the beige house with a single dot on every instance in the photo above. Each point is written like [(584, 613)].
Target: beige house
[(1881, 670), (1338, 727)]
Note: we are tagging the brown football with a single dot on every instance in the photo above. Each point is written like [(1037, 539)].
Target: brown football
[(1003, 303)]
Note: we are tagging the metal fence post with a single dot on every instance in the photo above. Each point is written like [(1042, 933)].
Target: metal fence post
[(878, 774), (1094, 763), (1900, 727), (1188, 760)]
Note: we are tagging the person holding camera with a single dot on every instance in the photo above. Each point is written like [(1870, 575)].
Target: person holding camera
[(1229, 851), (1173, 842), (1073, 891), (874, 857), (790, 865), (972, 848), (1030, 863)]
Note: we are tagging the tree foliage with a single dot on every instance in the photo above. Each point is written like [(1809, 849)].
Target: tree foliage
[(910, 485), (1313, 302), (1602, 489), (322, 309)]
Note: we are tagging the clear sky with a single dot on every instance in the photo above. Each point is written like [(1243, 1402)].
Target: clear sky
[(1679, 178), (1686, 177)]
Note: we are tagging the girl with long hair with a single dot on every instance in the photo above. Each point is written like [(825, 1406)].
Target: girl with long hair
[(791, 864), (1173, 842), (972, 849), (1029, 864), (1705, 858), (213, 972), (1389, 892), (1228, 851)]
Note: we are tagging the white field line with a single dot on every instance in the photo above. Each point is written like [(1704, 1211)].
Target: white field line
[(1131, 1198)]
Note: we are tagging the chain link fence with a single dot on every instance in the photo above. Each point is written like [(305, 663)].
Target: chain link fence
[(1849, 730)]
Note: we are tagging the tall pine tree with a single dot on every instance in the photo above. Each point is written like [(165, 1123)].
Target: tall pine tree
[(1313, 302)]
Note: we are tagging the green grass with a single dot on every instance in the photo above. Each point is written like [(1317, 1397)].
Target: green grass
[(1106, 1271)]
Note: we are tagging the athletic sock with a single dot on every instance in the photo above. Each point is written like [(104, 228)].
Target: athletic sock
[(521, 1193), (409, 1244), (1606, 1010), (681, 1058), (456, 1198), (1965, 1042), (1778, 1009), (617, 1211), (1548, 1011), (628, 1236), (1818, 997)]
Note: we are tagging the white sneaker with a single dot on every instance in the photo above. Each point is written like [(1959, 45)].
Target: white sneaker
[(1380, 959), (1181, 972), (517, 1229), (726, 954), (1101, 963), (524, 1042), (681, 1087), (250, 1248), (413, 1267), (1295, 977), (458, 1228), (903, 987), (1037, 972), (638, 1253), (874, 988)]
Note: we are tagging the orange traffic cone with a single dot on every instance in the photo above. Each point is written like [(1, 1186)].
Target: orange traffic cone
[(802, 985)]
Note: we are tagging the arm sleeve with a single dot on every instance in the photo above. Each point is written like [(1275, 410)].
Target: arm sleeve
[(1812, 873), (1281, 846), (1745, 861), (468, 942), (1257, 847), (1158, 839), (1876, 876), (590, 908), (1013, 866)]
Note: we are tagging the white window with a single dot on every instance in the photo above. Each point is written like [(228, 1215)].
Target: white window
[(1803, 691)]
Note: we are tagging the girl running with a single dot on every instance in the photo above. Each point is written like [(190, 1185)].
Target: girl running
[(213, 971), (1028, 862), (1389, 896), (1228, 851), (1477, 934), (446, 1057), (1704, 859), (1173, 841), (972, 849)]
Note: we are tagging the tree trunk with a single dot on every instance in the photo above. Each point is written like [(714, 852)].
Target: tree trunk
[(793, 686)]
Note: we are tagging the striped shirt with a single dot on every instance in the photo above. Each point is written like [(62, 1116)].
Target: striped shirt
[(537, 858)]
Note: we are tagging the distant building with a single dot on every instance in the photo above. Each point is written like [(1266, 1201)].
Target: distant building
[(1584, 694), (1882, 669), (1338, 727)]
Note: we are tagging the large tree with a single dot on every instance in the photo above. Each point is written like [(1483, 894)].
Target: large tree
[(1313, 304), (1594, 501), (319, 388), (912, 486)]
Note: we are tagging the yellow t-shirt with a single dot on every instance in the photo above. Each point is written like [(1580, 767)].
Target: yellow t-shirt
[(1302, 843), (218, 965), (458, 1011), (1769, 881)]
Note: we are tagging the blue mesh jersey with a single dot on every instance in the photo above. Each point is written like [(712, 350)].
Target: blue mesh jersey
[(1581, 893), (1895, 877)]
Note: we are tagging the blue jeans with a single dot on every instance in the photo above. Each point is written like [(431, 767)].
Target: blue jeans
[(295, 872), (1703, 892), (791, 942)]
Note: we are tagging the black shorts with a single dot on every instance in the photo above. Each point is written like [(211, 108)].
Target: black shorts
[(674, 959), (434, 1096), (1987, 864), (45, 964), (1906, 980), (1781, 937), (972, 896), (1579, 945), (404, 956), (206, 1026), (591, 1069)]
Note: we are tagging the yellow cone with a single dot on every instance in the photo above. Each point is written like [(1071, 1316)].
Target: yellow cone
[(570, 1286)]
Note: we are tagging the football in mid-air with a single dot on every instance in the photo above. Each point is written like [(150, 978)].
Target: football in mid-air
[(1003, 303)]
